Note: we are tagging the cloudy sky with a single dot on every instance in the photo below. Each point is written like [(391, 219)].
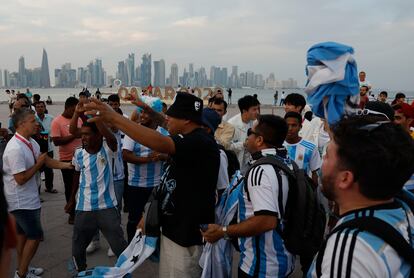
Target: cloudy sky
[(264, 35)]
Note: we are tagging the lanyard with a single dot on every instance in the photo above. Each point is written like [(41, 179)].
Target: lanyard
[(27, 143)]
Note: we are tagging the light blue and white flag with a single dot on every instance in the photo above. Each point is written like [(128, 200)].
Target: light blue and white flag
[(140, 248), (216, 259), (332, 86)]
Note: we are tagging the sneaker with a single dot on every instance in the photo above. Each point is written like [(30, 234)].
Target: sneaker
[(110, 252), (28, 275), (36, 270), (92, 247)]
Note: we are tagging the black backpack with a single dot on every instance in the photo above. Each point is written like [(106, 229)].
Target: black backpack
[(304, 217), (233, 162), (379, 228)]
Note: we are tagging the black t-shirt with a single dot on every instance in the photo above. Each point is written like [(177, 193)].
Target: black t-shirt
[(190, 179)]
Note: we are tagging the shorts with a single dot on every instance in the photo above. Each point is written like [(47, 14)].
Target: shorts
[(28, 223)]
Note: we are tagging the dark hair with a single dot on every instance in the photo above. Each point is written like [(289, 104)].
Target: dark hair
[(164, 105), (36, 97), (246, 102), (39, 102), (364, 86), (296, 100), (379, 154), (220, 101), (399, 95), (273, 129), (381, 107), (295, 115), (20, 115), (384, 93), (83, 93), (20, 96), (308, 115), (92, 126), (70, 102), (114, 98)]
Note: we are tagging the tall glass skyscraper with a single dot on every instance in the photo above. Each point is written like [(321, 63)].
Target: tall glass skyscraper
[(45, 77)]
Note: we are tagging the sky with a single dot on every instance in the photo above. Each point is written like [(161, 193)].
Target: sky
[(263, 36)]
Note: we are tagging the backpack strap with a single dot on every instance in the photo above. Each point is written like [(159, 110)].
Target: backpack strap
[(377, 227), (277, 164)]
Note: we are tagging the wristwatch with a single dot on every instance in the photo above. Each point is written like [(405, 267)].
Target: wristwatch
[(226, 235)]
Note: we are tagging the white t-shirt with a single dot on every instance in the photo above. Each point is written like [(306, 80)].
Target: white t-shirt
[(18, 158)]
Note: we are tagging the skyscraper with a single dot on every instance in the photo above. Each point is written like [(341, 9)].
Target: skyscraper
[(191, 70), (146, 70), (22, 81), (159, 73), (130, 66), (174, 75), (121, 73), (6, 78), (45, 78)]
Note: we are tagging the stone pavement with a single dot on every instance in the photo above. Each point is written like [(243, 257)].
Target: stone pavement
[(55, 251)]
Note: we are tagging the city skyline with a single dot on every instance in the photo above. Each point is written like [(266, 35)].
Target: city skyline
[(95, 75), (264, 37)]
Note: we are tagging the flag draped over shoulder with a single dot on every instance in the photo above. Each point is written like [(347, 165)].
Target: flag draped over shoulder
[(332, 86), (140, 248), (216, 259)]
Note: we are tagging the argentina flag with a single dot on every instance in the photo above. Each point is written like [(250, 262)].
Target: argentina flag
[(140, 248), (216, 259), (332, 86)]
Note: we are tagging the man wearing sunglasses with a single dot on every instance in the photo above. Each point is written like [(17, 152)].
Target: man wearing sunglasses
[(263, 253)]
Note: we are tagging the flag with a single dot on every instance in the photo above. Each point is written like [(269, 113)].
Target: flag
[(332, 86), (216, 259), (140, 248)]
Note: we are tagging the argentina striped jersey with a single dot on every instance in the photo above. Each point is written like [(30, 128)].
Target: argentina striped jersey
[(409, 185), (146, 174), (264, 255), (119, 173), (305, 154), (355, 253), (96, 185)]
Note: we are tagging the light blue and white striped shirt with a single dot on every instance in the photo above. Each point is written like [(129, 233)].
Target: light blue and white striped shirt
[(147, 174), (305, 154), (264, 255), (119, 173), (96, 185), (409, 185), (356, 253)]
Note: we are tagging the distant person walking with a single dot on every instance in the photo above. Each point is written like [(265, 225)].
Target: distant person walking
[(229, 93), (275, 97), (282, 98)]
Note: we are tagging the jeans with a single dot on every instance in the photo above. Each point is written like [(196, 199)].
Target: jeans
[(67, 175), (48, 174), (108, 221), (137, 198)]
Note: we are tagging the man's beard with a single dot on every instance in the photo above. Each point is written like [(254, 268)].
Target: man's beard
[(328, 187)]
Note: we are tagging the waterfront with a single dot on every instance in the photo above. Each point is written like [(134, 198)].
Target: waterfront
[(265, 96)]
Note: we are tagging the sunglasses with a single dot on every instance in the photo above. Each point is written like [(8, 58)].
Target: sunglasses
[(365, 112)]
